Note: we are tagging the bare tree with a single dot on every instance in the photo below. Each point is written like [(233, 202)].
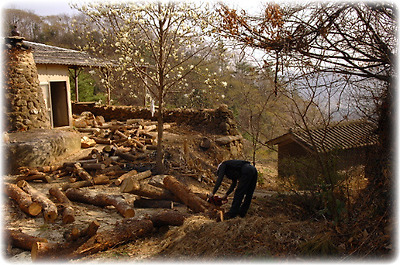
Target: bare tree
[(350, 48), (168, 38)]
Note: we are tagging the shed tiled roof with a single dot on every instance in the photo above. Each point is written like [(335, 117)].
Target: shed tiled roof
[(47, 54), (341, 136)]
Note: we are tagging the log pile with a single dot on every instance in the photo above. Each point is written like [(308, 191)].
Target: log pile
[(134, 133), (89, 241), (123, 162)]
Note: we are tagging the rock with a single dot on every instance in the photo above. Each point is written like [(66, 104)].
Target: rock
[(228, 139), (205, 143)]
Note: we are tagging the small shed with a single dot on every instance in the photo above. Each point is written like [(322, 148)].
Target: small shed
[(53, 64), (349, 141)]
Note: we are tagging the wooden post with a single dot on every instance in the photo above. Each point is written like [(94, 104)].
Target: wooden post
[(76, 74)]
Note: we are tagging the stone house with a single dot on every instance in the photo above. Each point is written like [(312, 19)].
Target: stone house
[(348, 142), (53, 64)]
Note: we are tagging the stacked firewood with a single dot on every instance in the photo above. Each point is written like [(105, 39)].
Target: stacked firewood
[(134, 133)]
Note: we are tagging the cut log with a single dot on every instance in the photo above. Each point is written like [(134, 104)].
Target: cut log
[(134, 121), (153, 203), (181, 191), (147, 134), (125, 156), (150, 128), (138, 144), (49, 208), (129, 229), (133, 175), (62, 251), (68, 215), (94, 166), (100, 140), (89, 130), (121, 135), (33, 171), (98, 180), (89, 231), (47, 251), (22, 240), (111, 169), (23, 199), (119, 180), (81, 162), (168, 217), (157, 181), (87, 142), (41, 176), (147, 190), (101, 200), (82, 173), (110, 149), (42, 251)]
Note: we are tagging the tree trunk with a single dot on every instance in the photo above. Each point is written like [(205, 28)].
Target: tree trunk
[(119, 180), (40, 176), (160, 122), (82, 173), (153, 203), (89, 231), (49, 208), (68, 215), (194, 202), (128, 230), (126, 156), (98, 180), (168, 217), (147, 190), (101, 200), (21, 240), (23, 199), (131, 175)]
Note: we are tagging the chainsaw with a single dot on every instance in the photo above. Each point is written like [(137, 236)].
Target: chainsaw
[(216, 200)]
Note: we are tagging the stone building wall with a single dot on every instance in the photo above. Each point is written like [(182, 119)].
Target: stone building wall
[(24, 101)]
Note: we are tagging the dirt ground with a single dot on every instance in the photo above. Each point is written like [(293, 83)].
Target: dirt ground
[(275, 228)]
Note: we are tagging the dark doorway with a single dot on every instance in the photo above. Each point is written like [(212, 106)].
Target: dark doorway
[(59, 103)]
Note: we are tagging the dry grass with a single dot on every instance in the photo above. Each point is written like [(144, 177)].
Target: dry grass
[(252, 237)]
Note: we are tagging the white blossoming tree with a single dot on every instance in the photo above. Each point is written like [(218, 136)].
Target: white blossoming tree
[(161, 43)]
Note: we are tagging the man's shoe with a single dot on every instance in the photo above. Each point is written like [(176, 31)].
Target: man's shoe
[(228, 216)]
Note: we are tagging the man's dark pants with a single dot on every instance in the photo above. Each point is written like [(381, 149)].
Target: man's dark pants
[(245, 189)]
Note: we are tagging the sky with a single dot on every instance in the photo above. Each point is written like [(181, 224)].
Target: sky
[(41, 7), (57, 7)]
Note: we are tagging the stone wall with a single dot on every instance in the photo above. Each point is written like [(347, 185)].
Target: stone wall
[(216, 121), (25, 105)]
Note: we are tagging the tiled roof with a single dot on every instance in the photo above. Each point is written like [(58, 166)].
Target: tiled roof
[(341, 136), (46, 54)]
